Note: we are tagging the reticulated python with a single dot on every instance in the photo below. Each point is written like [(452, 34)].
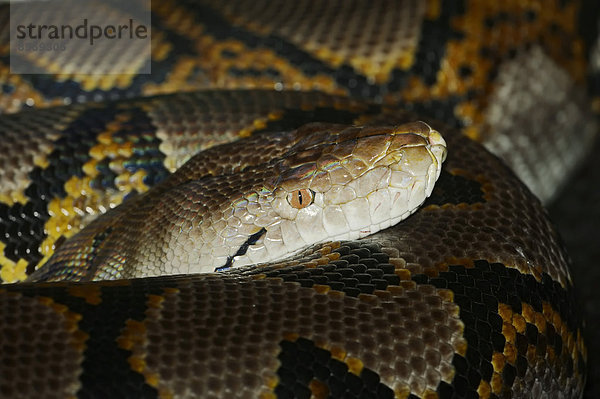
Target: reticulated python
[(470, 296)]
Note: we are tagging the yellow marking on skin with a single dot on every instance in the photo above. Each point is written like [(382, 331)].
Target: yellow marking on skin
[(91, 82), (547, 27), (41, 161), (11, 103), (433, 9), (14, 197), (403, 274), (90, 167), (318, 389), (292, 337), (384, 296), (402, 392), (338, 353), (375, 68), (90, 293), (519, 323), (133, 333), (369, 298), (218, 74), (137, 365), (484, 390), (497, 383), (68, 215), (573, 344), (333, 256), (271, 382), (132, 338), (260, 123), (472, 132), (498, 361), (461, 346), (505, 311), (160, 46), (355, 366), (395, 290), (528, 313), (325, 250), (63, 221), (105, 138), (11, 272), (257, 124), (337, 294), (466, 262), (71, 321), (511, 353), (127, 182), (178, 79), (446, 295), (429, 394), (321, 289), (155, 301)]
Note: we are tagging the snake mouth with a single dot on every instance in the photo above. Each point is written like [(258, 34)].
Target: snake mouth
[(252, 239)]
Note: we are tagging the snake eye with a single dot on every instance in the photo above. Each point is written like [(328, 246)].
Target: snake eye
[(301, 198)]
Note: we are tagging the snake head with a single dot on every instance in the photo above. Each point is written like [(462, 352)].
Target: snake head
[(344, 182)]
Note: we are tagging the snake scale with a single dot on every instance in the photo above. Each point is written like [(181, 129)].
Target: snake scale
[(469, 297)]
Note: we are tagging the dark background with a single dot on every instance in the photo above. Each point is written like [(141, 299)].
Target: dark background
[(576, 213)]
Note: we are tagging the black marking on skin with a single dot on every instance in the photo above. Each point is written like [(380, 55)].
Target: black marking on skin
[(96, 244), (68, 272), (455, 189), (441, 110), (294, 118), (431, 48), (361, 268), (242, 250), (215, 25), (146, 155), (22, 226), (428, 59), (106, 372), (478, 291), (302, 362)]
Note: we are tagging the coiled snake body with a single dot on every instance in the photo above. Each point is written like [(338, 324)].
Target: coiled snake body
[(470, 296)]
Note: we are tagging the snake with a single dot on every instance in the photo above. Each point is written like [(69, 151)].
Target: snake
[(309, 199)]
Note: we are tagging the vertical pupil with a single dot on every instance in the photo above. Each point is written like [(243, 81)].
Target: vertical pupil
[(300, 197)]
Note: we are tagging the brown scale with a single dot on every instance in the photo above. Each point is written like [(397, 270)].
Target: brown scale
[(48, 339), (504, 224), (239, 351)]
